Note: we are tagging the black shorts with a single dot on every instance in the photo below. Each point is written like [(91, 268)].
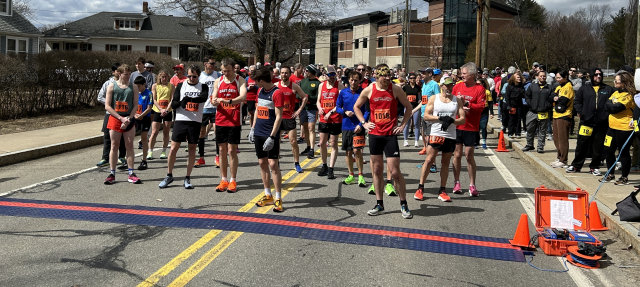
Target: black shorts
[(274, 153), (158, 118), (143, 125), (448, 146), (188, 131), (251, 106), (348, 138), (332, 129), (228, 134), (467, 138), (288, 125), (208, 119), (387, 144)]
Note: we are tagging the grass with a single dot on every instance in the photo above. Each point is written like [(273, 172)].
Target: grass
[(54, 119)]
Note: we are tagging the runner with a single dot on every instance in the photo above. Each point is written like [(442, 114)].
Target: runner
[(252, 92), (179, 76), (330, 125), (442, 111), (290, 90), (162, 97), (353, 134), (264, 133), (208, 77), (473, 98), (229, 92), (122, 104), (412, 90), (106, 132), (142, 71), (310, 86), (383, 130), (429, 89), (188, 103), (143, 117)]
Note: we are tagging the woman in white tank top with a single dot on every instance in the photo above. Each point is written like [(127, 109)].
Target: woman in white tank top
[(441, 109)]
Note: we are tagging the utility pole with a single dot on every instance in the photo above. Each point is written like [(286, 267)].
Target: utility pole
[(638, 39), (478, 31), (485, 33), (405, 33)]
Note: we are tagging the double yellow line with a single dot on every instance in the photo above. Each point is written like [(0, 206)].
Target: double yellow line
[(207, 258)]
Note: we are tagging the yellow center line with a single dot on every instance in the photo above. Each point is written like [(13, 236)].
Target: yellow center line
[(211, 255), (184, 255)]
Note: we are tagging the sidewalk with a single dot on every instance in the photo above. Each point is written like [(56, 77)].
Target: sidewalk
[(606, 198)]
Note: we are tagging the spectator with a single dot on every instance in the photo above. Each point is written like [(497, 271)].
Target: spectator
[(539, 101), (484, 117), (514, 96), (562, 112)]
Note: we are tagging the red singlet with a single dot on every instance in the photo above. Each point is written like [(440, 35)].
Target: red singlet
[(384, 110), (328, 99), (228, 115), (289, 100)]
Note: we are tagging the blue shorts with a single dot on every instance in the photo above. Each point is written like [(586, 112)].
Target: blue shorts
[(308, 116)]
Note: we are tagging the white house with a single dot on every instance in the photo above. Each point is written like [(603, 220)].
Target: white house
[(115, 31), (18, 37)]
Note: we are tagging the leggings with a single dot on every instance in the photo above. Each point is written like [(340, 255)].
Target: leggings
[(483, 126), (416, 126), (618, 138)]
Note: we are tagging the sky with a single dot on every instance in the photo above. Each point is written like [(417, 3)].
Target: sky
[(56, 11)]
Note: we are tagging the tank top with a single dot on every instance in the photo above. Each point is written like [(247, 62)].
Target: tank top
[(266, 110), (163, 94), (228, 115), (252, 90), (209, 80), (289, 100), (384, 110), (444, 109), (328, 99), (122, 101), (193, 111)]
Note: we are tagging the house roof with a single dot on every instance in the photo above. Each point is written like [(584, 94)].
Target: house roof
[(16, 23), (153, 27)]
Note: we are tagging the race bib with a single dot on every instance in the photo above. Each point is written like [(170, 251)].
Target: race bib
[(122, 107), (358, 141), (635, 126), (607, 141), (164, 104), (543, 116), (328, 104), (382, 115), (425, 99), (192, 107), (585, 131), (411, 98), (436, 140), (512, 111), (263, 113), (228, 106), (287, 106), (139, 110)]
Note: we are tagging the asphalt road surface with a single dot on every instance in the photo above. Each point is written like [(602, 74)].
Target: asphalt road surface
[(55, 252)]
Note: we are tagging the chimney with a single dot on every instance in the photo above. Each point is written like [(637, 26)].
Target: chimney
[(145, 7)]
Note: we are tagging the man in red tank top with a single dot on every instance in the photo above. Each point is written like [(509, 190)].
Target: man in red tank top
[(383, 128), (252, 92), (291, 111), (229, 92), (330, 125)]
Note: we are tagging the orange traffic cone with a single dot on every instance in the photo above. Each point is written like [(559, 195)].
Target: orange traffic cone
[(595, 223), (522, 238), (501, 146)]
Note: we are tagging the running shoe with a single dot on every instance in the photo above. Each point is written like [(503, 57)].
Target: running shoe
[(187, 183), (444, 196), (559, 165), (390, 190), (122, 160), (595, 172), (217, 161), (111, 179), (222, 187), (473, 191), (277, 205), (330, 175), (165, 182), (139, 144), (123, 167), (286, 136), (298, 168), (371, 190), (102, 162), (416, 144), (199, 163), (186, 149), (406, 214), (311, 154), (527, 148), (406, 143), (622, 181), (323, 171), (572, 169), (300, 140), (233, 187), (349, 180), (305, 151), (557, 160), (419, 194), (549, 137), (133, 178), (361, 182), (377, 210), (265, 200), (150, 155), (423, 151), (433, 169), (609, 178), (484, 146), (163, 155), (456, 188), (143, 165), (618, 165)]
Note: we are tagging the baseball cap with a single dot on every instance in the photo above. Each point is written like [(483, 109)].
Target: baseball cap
[(426, 70), (179, 66), (535, 64), (437, 72), (498, 68), (448, 81), (148, 65), (455, 72), (331, 69), (243, 70)]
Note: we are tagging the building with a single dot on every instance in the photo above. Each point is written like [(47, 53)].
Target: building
[(440, 40), (114, 31), (18, 37)]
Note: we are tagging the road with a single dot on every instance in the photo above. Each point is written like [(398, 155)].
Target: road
[(56, 252)]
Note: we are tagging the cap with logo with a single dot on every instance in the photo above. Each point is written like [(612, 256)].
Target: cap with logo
[(426, 70), (331, 69), (179, 66), (448, 81)]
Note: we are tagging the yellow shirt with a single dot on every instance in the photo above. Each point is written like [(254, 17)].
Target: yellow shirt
[(488, 98), (163, 96), (567, 92), (596, 89), (621, 120)]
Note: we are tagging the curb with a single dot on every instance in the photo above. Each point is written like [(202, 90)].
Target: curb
[(624, 230), (34, 153)]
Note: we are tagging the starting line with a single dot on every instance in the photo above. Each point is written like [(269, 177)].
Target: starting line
[(294, 227)]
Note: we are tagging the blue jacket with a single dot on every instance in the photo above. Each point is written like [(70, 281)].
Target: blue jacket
[(346, 101)]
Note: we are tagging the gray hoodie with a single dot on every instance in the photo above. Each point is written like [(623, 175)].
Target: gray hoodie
[(102, 95)]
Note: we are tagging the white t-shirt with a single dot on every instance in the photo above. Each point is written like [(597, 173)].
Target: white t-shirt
[(208, 80)]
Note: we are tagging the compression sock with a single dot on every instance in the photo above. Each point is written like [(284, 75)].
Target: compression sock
[(201, 147)]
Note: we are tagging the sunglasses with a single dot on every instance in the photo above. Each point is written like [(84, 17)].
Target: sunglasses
[(360, 70), (331, 74), (572, 71), (192, 76), (211, 63), (597, 75)]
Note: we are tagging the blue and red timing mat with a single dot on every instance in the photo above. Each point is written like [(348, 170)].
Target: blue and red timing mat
[(295, 227)]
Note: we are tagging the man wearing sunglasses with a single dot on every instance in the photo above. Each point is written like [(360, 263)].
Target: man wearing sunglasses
[(363, 71), (330, 126), (575, 80)]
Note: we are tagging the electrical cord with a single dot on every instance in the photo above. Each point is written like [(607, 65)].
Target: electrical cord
[(564, 261)]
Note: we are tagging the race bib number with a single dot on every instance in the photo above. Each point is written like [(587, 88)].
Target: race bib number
[(328, 104), (228, 106), (382, 115), (358, 141), (436, 140), (164, 104), (425, 99), (287, 106), (585, 131), (192, 107), (263, 113), (607, 141), (412, 98), (122, 107), (139, 110), (543, 116)]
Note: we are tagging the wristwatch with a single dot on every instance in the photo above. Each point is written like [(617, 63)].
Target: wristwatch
[(230, 100)]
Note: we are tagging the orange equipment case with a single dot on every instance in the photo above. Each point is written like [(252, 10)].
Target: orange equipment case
[(543, 197)]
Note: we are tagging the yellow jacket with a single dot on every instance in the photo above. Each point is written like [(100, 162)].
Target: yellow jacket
[(565, 91), (621, 120)]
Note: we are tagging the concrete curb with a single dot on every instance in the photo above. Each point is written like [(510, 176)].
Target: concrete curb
[(624, 230), (34, 153)]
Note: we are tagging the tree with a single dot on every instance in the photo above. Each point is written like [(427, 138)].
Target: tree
[(614, 38), (631, 24), (530, 13), (23, 7)]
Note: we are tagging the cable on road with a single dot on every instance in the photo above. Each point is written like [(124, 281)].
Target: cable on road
[(564, 261)]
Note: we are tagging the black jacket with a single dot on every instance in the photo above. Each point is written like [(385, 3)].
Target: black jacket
[(538, 99), (585, 104), (514, 95)]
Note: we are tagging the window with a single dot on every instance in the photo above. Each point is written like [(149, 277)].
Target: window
[(55, 46), (126, 24), (17, 47), (113, 48), (399, 40), (356, 43), (85, 47), (165, 50), (124, 48), (380, 42), (364, 43), (71, 46), (152, 49), (341, 46), (4, 7)]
